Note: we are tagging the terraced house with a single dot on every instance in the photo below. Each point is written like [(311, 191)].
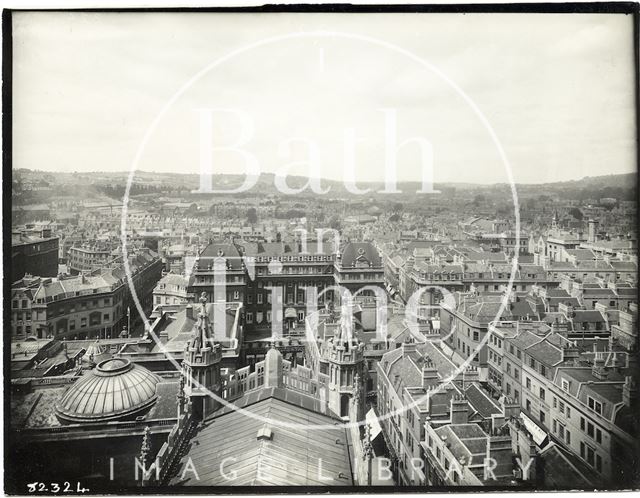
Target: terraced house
[(593, 412), (93, 305)]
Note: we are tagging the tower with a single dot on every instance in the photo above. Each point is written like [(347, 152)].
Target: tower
[(593, 225), (346, 370), (201, 367)]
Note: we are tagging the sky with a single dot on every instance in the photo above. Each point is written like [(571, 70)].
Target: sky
[(290, 89)]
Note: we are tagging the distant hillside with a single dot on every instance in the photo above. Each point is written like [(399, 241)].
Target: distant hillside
[(113, 184)]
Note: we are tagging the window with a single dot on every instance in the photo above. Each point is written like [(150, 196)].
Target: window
[(568, 436), (555, 402), (518, 354), (532, 363), (598, 436), (594, 405), (590, 429), (542, 416), (582, 424), (528, 383), (561, 406), (542, 394), (599, 463), (568, 414), (528, 405), (249, 317), (543, 370), (589, 454), (476, 335), (565, 385)]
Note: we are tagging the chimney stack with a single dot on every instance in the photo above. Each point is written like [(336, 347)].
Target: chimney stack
[(459, 409), (510, 407), (599, 371), (629, 391), (409, 346), (430, 375), (570, 354)]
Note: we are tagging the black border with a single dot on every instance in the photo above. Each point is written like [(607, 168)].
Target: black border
[(607, 7)]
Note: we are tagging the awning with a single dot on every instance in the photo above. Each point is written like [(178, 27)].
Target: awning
[(374, 424), (290, 313), (539, 435)]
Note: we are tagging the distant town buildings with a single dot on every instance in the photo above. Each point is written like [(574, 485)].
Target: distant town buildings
[(431, 345), (33, 255)]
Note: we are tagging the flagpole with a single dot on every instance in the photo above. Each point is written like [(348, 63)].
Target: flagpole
[(128, 321)]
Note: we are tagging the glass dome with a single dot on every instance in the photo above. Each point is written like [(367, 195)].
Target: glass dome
[(115, 390)]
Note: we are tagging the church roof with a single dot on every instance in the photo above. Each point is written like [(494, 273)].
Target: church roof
[(250, 451)]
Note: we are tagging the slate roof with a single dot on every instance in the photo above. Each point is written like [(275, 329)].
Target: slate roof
[(546, 353), (173, 279), (225, 250), (563, 470), (355, 250), (481, 402), (296, 455), (466, 441)]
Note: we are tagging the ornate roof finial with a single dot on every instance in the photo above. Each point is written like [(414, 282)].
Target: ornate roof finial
[(367, 447), (145, 448), (181, 398), (203, 302)]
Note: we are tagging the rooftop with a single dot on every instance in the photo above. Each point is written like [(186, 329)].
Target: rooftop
[(261, 453)]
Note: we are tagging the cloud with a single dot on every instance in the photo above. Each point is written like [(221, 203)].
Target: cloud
[(557, 89)]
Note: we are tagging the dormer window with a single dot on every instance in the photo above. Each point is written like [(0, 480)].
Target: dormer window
[(594, 405)]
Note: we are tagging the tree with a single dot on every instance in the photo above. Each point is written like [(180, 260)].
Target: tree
[(576, 213), (334, 222), (252, 216), (394, 218)]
